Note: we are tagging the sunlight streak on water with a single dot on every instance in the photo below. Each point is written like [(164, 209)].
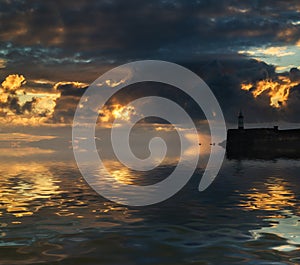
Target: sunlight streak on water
[(273, 196), (250, 215), (24, 183)]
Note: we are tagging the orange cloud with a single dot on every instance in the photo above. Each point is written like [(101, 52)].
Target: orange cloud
[(24, 152), (19, 107), (278, 91), (117, 111), (112, 83), (13, 82), (75, 84), (23, 137)]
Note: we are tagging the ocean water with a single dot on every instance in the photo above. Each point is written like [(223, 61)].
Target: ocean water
[(49, 215)]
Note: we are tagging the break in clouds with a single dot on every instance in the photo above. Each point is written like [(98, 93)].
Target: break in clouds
[(50, 51), (252, 86)]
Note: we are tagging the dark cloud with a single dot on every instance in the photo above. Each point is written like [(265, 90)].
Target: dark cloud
[(29, 105), (82, 31), (223, 76), (295, 75), (10, 93), (79, 40), (66, 104), (13, 104), (71, 89)]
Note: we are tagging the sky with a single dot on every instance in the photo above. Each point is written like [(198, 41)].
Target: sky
[(248, 52)]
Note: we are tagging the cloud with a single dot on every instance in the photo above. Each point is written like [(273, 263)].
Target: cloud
[(79, 40), (20, 105), (270, 51), (23, 105), (2, 63), (289, 34), (262, 87), (23, 137), (24, 152), (13, 82), (70, 88), (295, 75), (225, 77), (9, 100), (117, 111), (116, 31), (66, 104), (112, 83), (278, 90)]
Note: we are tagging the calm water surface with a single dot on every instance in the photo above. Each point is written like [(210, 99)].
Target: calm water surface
[(250, 215)]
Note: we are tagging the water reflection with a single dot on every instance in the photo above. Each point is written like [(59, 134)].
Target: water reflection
[(249, 215), (44, 186), (119, 172), (273, 196), (287, 227), (23, 183)]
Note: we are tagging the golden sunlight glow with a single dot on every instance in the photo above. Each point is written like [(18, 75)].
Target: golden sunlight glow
[(24, 106), (280, 51), (42, 82), (117, 111), (246, 87), (276, 51), (120, 172), (274, 196), (46, 104), (3, 96), (278, 91), (13, 82), (27, 120), (23, 151), (122, 113), (284, 68), (34, 181), (112, 83), (75, 84), (23, 137)]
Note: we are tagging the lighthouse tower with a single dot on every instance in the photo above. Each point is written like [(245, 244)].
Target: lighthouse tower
[(241, 121)]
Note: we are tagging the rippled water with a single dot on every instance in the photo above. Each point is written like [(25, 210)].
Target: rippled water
[(250, 215)]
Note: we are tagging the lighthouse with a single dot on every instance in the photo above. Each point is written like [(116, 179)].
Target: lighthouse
[(241, 121)]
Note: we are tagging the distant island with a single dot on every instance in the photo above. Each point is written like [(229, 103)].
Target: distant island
[(262, 143)]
